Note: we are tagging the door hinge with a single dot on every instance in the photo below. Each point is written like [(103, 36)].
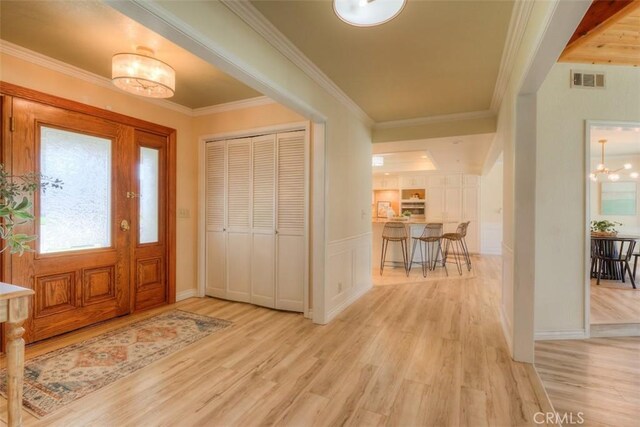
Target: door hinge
[(12, 124)]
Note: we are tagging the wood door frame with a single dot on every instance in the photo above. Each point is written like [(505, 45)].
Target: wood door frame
[(8, 91)]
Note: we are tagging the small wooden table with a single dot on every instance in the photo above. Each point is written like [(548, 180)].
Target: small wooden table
[(14, 309)]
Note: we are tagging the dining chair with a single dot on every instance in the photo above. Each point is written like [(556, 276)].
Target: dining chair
[(610, 253), (394, 231)]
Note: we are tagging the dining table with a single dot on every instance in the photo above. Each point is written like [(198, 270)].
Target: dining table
[(612, 270)]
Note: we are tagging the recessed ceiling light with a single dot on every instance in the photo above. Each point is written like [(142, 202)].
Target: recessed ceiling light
[(366, 13), (386, 173), (423, 157)]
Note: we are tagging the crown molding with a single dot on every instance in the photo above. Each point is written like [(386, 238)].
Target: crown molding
[(434, 119), (234, 105), (252, 17), (78, 73), (49, 63), (517, 26)]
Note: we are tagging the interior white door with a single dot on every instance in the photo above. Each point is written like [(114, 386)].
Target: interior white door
[(215, 249), (290, 221), (263, 267), (238, 214)]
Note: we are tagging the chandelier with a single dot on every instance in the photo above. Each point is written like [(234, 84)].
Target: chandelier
[(611, 174), (142, 74)]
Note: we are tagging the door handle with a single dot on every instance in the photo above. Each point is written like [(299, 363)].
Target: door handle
[(132, 195), (124, 225)]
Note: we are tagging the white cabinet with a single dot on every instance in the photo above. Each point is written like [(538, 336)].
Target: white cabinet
[(452, 199), (385, 182), (256, 201), (413, 181)]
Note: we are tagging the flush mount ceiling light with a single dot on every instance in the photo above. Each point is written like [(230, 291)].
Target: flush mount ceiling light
[(142, 74), (366, 13)]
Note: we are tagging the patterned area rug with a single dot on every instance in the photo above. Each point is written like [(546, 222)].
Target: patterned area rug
[(55, 379)]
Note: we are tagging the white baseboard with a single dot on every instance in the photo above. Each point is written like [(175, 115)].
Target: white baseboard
[(346, 303), (615, 330), (577, 334), (189, 293)]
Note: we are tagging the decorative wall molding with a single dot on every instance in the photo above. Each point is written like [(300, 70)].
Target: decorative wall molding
[(78, 73), (348, 268), (517, 26), (234, 105), (249, 14), (52, 64), (490, 238), (419, 121)]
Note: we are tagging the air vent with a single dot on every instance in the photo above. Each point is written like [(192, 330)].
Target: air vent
[(587, 80)]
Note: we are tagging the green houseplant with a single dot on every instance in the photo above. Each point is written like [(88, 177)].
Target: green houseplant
[(15, 207), (604, 228)]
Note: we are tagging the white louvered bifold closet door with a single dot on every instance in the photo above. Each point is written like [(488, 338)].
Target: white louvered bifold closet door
[(238, 215), (290, 220), (214, 219), (263, 222)]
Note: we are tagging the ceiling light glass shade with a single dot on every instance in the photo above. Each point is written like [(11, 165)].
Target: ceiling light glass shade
[(365, 13), (140, 73)]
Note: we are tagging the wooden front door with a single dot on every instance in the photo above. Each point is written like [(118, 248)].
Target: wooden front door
[(104, 239)]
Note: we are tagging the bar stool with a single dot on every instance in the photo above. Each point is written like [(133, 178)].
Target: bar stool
[(431, 238), (454, 243), (395, 232), (465, 247)]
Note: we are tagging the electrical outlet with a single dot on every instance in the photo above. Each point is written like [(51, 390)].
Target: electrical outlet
[(183, 213)]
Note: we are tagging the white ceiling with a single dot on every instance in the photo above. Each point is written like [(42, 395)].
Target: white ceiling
[(405, 161), (621, 140), (464, 154), (86, 34)]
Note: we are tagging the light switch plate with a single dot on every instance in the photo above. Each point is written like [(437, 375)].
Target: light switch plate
[(183, 213)]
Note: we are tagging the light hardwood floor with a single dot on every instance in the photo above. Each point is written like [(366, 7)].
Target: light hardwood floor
[(599, 377), (614, 302), (430, 353)]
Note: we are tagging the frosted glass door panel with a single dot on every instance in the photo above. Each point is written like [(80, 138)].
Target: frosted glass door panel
[(149, 171), (77, 217)]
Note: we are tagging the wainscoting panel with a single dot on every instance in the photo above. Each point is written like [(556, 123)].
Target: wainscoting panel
[(491, 238), (348, 273)]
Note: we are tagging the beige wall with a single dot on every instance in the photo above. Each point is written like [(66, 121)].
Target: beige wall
[(436, 130), (247, 118), (491, 210), (561, 185), (23, 73), (516, 312)]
